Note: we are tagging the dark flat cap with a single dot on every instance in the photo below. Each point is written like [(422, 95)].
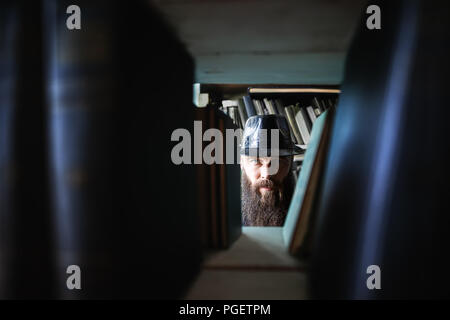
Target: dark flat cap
[(258, 142)]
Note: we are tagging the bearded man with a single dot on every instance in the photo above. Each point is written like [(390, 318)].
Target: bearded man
[(267, 181)]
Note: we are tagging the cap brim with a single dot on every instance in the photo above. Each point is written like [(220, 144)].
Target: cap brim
[(282, 153)]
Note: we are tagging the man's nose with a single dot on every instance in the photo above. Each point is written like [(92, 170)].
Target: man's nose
[(265, 172)]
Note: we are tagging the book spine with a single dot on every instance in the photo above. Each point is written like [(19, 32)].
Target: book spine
[(293, 124), (279, 106), (82, 99), (234, 115), (25, 257), (249, 106), (239, 122), (232, 199), (8, 78), (306, 119), (270, 106), (215, 192), (223, 206), (281, 110), (301, 122), (259, 107), (242, 112), (317, 105), (317, 112), (311, 114), (203, 182), (323, 103)]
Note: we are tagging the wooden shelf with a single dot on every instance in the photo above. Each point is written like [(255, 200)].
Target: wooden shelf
[(257, 266)]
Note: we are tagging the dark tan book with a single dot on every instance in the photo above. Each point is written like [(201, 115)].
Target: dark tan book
[(214, 191), (293, 124), (203, 182), (229, 186)]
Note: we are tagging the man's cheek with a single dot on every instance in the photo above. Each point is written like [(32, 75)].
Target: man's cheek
[(274, 167), (282, 172), (253, 176)]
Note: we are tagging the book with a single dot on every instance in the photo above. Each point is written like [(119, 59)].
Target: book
[(330, 103), (214, 190), (233, 113), (229, 189), (279, 107), (269, 105), (242, 112), (259, 106), (305, 116), (237, 118), (293, 125), (203, 182), (300, 119), (26, 262), (317, 112), (300, 218), (317, 105), (281, 110), (113, 198), (311, 114), (249, 106), (229, 103), (81, 129), (299, 157), (218, 187)]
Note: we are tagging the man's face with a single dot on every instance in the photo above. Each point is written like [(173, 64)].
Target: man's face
[(257, 171), (266, 194)]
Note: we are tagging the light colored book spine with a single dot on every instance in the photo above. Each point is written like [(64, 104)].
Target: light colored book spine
[(281, 110), (318, 106), (231, 113), (229, 103), (317, 112), (259, 107), (301, 122), (291, 119), (305, 117), (270, 107), (242, 112), (311, 114)]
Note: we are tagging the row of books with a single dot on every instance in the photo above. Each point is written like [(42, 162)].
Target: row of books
[(300, 116), (218, 188)]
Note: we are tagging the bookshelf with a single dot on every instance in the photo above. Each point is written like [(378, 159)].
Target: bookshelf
[(87, 116), (260, 262)]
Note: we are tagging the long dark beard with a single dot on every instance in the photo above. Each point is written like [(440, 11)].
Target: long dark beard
[(269, 209)]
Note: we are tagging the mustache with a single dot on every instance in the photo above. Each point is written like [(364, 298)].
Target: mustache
[(266, 183)]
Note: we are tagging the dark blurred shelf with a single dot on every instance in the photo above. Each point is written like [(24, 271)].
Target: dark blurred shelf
[(257, 266)]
